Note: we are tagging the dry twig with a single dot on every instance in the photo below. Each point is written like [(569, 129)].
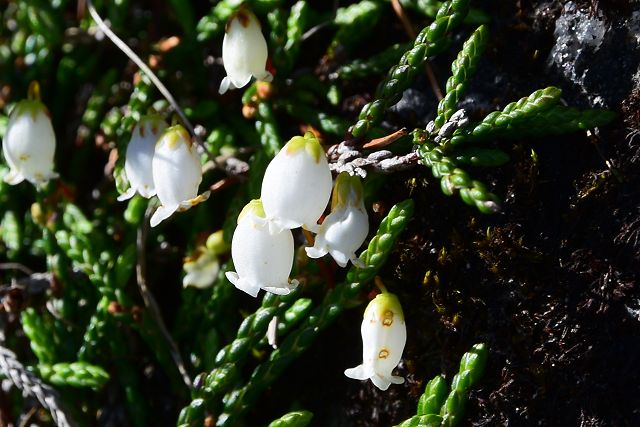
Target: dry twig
[(31, 385), (150, 302)]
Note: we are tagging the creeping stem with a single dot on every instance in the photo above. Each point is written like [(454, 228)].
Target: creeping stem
[(461, 70), (431, 40), (452, 178)]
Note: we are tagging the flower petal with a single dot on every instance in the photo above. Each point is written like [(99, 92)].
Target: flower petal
[(315, 251), (13, 177), (127, 194), (162, 213), (224, 85), (358, 373), (243, 284)]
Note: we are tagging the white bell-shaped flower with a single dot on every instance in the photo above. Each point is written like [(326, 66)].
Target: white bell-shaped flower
[(244, 51), (137, 164), (297, 185), (345, 228), (29, 142), (176, 173), (384, 335), (262, 260)]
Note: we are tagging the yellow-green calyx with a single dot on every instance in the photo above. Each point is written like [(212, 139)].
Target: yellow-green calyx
[(384, 306), (216, 243), (253, 207), (308, 142), (32, 107), (347, 190), (173, 135)]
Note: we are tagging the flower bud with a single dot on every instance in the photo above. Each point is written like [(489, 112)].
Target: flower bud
[(176, 174), (262, 260), (137, 165), (297, 185), (244, 51), (216, 243), (384, 335), (345, 228), (29, 142)]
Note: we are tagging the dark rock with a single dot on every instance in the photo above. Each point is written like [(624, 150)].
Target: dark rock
[(417, 105), (598, 55)]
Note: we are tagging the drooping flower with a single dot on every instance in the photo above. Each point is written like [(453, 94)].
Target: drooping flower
[(201, 269), (202, 266), (262, 259), (244, 51), (345, 228), (297, 185), (176, 173), (29, 143), (384, 335), (139, 157)]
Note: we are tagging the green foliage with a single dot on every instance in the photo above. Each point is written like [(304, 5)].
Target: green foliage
[(515, 115), (355, 23), (77, 374), (40, 337), (297, 23), (294, 315), (96, 105), (326, 123), (535, 115), (293, 419), (531, 117), (375, 65), (11, 233), (433, 397), (431, 420), (430, 8), (461, 70), (431, 40), (440, 405), (277, 37), (230, 359), (453, 179)]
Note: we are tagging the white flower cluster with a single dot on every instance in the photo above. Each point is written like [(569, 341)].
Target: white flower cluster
[(163, 161), (159, 161), (296, 189)]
